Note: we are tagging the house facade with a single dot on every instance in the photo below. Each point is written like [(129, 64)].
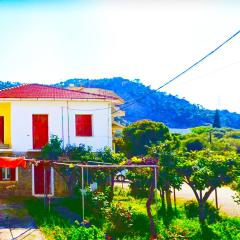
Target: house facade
[(31, 113)]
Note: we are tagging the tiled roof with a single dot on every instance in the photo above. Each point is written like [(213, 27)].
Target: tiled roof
[(49, 92), (99, 91)]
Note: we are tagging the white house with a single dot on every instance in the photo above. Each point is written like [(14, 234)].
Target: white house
[(31, 113)]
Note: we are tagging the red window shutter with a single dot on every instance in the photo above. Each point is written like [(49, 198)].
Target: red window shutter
[(13, 174), (83, 125), (1, 178)]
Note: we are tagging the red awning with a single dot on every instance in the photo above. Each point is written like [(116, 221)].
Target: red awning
[(7, 162)]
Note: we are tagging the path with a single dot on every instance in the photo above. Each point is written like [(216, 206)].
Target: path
[(16, 224), (225, 200)]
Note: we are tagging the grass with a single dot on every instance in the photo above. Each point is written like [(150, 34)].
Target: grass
[(56, 228), (180, 224)]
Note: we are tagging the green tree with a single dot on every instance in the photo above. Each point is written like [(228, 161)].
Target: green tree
[(138, 136), (167, 155), (206, 170), (53, 150), (194, 143), (216, 122)]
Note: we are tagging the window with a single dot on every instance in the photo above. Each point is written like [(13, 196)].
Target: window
[(83, 125), (8, 174)]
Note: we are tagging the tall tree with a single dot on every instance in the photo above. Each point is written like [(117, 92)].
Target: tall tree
[(216, 122), (138, 136)]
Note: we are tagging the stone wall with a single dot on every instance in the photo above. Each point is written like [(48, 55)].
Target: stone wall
[(60, 187), (23, 187)]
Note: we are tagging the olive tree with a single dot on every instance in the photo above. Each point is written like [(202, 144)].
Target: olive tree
[(206, 170)]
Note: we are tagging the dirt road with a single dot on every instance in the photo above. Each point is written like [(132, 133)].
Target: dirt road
[(225, 200)]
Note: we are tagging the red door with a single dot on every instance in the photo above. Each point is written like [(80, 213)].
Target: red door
[(39, 181), (40, 131), (1, 130)]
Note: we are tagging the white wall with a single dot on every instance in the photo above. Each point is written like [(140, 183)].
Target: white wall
[(60, 119)]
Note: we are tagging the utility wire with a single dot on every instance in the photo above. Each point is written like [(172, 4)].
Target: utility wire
[(180, 74), (133, 101)]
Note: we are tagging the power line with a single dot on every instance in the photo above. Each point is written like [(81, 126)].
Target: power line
[(182, 73), (133, 101)]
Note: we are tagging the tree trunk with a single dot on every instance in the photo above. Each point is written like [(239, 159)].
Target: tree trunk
[(169, 200), (112, 187), (162, 195), (202, 212), (148, 205), (174, 198)]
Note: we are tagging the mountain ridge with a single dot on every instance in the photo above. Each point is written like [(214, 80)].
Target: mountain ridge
[(173, 111)]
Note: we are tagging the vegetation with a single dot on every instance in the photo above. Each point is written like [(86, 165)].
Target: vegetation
[(207, 170), (216, 122), (56, 228), (139, 135), (205, 159), (156, 106), (127, 218)]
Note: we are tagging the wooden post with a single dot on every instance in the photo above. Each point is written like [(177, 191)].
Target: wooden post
[(174, 197), (44, 185), (83, 203), (216, 198)]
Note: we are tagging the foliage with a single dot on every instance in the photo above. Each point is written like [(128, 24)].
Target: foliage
[(119, 219), (97, 202), (236, 187), (233, 134), (106, 155), (53, 150), (194, 143), (207, 170), (74, 233), (140, 179), (56, 228), (139, 135), (201, 129), (216, 121), (192, 211), (227, 229), (156, 106), (79, 153)]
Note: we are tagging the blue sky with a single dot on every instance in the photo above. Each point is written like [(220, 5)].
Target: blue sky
[(152, 40)]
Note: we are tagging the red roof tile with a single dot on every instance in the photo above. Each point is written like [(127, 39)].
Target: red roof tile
[(44, 91)]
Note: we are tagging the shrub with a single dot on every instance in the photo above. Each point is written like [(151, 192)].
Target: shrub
[(79, 153), (75, 233), (97, 202), (192, 211), (53, 150), (233, 134), (140, 180), (194, 144), (227, 229), (119, 220)]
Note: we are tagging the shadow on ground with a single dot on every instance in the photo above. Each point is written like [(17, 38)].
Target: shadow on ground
[(16, 224)]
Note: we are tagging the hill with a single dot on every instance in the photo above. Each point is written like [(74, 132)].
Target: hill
[(157, 106)]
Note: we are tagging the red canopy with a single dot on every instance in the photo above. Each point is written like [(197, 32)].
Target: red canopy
[(7, 162)]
